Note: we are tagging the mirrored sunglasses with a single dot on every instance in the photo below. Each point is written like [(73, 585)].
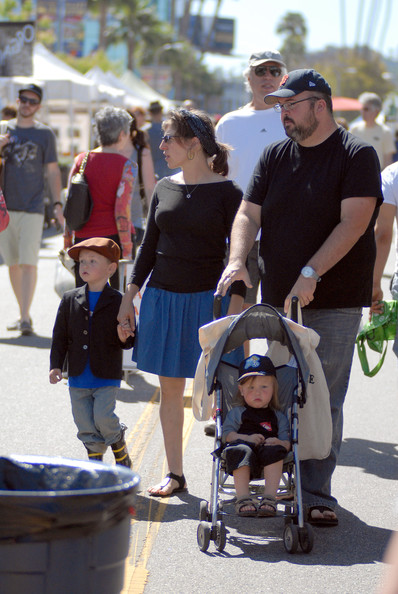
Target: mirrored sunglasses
[(260, 70)]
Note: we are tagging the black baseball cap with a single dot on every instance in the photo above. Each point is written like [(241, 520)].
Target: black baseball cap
[(34, 89), (296, 82), (256, 365)]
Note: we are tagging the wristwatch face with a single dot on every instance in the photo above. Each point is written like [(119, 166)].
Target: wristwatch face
[(309, 272)]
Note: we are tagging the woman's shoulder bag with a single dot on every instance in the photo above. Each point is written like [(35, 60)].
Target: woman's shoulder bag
[(79, 203)]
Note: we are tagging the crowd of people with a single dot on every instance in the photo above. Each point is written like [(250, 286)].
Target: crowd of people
[(295, 197)]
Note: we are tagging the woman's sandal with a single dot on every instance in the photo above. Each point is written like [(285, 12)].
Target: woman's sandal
[(322, 521), (267, 507), (182, 485), (246, 501)]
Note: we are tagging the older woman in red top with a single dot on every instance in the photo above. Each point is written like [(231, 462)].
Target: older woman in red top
[(110, 177)]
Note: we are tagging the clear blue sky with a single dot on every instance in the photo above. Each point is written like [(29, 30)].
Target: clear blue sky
[(257, 20)]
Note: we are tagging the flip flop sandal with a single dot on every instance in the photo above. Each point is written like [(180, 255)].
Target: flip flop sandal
[(244, 502), (321, 521), (263, 512), (182, 486)]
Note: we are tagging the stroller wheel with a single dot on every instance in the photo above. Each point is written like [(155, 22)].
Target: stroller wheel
[(204, 511), (306, 538), (221, 538), (203, 535), (291, 538)]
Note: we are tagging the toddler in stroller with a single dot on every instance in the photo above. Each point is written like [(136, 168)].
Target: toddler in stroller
[(256, 437), (291, 348)]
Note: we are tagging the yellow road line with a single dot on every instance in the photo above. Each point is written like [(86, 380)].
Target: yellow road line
[(136, 574)]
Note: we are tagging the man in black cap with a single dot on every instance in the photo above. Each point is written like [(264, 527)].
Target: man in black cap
[(29, 150), (315, 197)]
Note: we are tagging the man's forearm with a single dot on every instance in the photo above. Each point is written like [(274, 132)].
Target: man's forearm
[(243, 235)]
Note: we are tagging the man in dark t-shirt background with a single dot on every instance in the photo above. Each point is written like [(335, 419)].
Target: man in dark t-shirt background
[(29, 150), (315, 197)]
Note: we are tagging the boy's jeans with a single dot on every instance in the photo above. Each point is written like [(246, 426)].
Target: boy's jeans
[(93, 411)]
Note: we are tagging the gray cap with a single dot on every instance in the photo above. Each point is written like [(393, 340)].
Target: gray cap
[(266, 56)]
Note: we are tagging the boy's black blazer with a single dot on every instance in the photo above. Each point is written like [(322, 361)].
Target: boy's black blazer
[(73, 338)]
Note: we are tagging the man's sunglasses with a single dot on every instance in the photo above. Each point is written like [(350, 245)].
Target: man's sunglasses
[(273, 70), (24, 99)]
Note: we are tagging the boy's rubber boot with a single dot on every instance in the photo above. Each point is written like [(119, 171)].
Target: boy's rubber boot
[(94, 456), (120, 451)]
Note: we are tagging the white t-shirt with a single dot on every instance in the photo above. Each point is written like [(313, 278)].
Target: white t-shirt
[(248, 131), (389, 180), (379, 136)]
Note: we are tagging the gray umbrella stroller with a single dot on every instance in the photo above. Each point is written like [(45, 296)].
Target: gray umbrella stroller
[(260, 321)]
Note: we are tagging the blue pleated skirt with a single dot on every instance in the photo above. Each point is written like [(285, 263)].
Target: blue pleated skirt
[(167, 340)]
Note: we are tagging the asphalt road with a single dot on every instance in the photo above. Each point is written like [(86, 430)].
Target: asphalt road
[(164, 555)]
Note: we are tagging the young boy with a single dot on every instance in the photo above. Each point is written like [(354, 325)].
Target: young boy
[(86, 331), (257, 437)]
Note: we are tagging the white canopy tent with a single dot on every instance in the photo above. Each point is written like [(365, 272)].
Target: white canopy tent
[(70, 98), (134, 83), (103, 81)]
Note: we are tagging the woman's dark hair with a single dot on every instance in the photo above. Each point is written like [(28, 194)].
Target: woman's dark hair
[(137, 135), (188, 124)]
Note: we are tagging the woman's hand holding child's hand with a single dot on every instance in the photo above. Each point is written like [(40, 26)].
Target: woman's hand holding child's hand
[(123, 333)]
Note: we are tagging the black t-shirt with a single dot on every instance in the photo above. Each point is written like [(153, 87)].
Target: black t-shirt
[(185, 240), (259, 420), (300, 190)]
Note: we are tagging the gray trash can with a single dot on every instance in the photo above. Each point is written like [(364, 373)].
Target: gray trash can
[(64, 525)]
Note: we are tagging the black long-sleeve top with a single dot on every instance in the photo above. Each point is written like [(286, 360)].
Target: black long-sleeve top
[(185, 240)]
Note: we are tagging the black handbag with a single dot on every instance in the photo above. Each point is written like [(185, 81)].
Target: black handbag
[(79, 203), (141, 182)]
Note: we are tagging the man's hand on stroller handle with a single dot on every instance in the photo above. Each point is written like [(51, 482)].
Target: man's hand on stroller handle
[(303, 289), (233, 272)]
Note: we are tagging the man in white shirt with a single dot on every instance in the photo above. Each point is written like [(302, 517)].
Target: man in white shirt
[(377, 135), (248, 130), (251, 128)]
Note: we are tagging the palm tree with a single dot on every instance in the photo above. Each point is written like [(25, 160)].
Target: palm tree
[(137, 25), (293, 27)]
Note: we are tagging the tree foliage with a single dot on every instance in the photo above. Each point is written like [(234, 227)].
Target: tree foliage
[(98, 58), (294, 30), (135, 23), (11, 10), (351, 71)]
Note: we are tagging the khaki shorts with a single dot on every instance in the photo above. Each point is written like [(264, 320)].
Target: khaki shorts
[(20, 242)]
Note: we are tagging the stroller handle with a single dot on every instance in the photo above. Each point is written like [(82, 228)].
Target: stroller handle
[(218, 299), (294, 310), (217, 307)]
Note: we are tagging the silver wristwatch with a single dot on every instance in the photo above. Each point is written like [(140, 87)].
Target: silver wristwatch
[(309, 272)]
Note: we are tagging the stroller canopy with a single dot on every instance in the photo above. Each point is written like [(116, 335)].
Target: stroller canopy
[(259, 321)]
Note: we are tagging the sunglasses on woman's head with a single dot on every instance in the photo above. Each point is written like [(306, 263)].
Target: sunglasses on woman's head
[(260, 70)]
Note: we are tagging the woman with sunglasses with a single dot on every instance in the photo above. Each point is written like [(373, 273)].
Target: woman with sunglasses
[(182, 253)]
